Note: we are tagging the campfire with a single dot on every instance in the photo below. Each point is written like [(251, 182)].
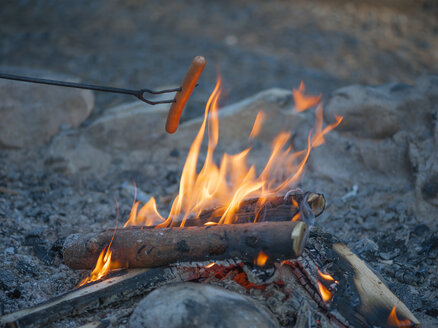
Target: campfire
[(231, 225), (219, 195)]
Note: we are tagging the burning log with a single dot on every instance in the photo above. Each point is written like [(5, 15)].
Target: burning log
[(351, 293), (275, 208), (81, 252), (142, 247)]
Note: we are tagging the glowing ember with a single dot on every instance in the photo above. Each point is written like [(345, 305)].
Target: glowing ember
[(303, 101), (209, 265), (209, 223), (324, 292), (393, 321), (261, 259)]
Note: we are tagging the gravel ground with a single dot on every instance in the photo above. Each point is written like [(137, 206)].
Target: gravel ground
[(258, 45)]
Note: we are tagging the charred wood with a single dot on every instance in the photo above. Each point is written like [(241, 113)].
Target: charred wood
[(125, 285), (273, 208), (358, 297)]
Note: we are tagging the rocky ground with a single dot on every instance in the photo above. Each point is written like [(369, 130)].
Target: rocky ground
[(65, 155)]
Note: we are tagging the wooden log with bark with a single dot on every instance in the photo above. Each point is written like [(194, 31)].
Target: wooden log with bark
[(358, 298), (148, 247)]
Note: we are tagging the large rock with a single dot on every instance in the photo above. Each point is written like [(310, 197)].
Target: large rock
[(423, 155), (32, 113), (380, 112), (371, 144), (133, 135), (388, 139), (199, 305)]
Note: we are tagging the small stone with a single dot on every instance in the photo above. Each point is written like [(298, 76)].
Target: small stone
[(9, 251), (26, 268), (389, 216), (421, 229), (174, 153), (390, 255), (7, 280), (366, 212), (365, 245), (133, 191), (199, 305)]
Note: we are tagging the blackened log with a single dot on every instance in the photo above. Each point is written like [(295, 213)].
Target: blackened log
[(119, 288), (274, 208), (143, 247)]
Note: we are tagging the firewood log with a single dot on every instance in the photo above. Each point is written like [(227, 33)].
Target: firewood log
[(141, 247), (275, 208)]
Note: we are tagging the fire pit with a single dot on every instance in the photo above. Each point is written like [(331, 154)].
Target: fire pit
[(231, 227)]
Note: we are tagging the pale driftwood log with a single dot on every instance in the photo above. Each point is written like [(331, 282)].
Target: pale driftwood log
[(360, 298), (147, 248), (376, 299)]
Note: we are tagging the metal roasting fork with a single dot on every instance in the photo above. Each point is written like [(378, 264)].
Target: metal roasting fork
[(138, 93), (182, 93)]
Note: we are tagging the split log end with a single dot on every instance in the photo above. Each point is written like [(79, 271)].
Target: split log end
[(299, 236)]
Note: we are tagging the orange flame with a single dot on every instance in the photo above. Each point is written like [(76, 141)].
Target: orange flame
[(296, 217), (209, 265), (102, 268), (104, 264), (393, 321), (210, 223), (261, 259), (303, 101), (225, 186), (257, 124), (324, 292), (327, 277)]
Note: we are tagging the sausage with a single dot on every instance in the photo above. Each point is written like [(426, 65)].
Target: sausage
[(187, 86)]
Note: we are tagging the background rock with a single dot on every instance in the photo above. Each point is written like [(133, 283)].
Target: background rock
[(368, 112), (379, 122), (388, 138), (133, 135), (32, 113), (199, 305)]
